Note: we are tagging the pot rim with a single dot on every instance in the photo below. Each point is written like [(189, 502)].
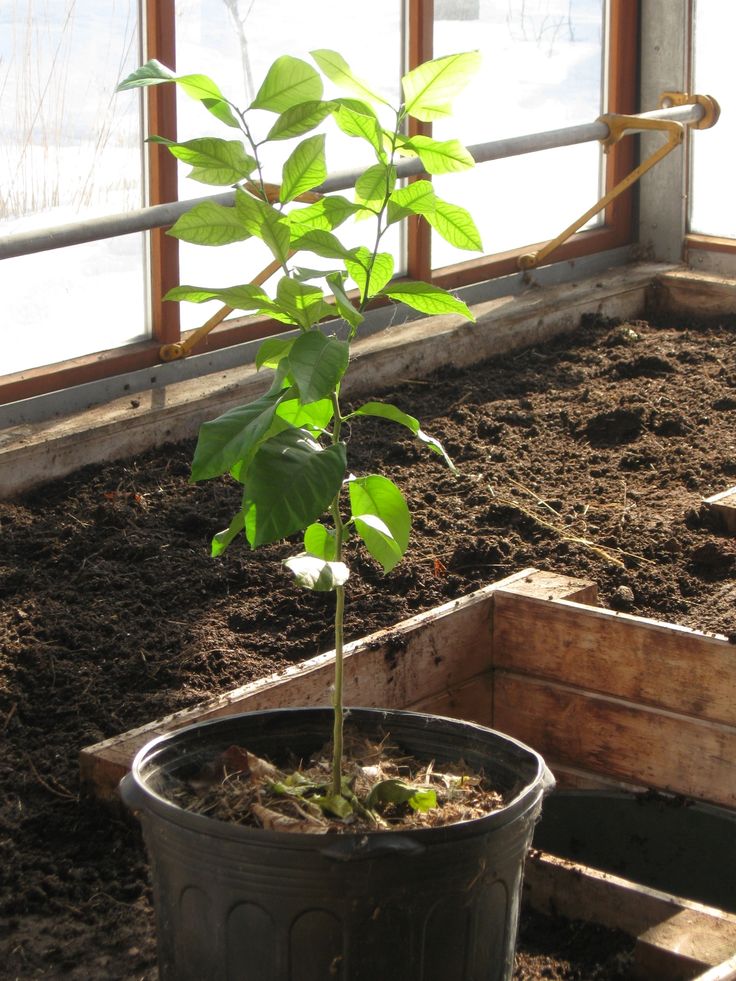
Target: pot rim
[(140, 797)]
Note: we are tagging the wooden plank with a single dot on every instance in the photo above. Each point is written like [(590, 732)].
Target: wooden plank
[(724, 506), (543, 585), (675, 936), (571, 778), (683, 945), (644, 661), (472, 701), (424, 656), (619, 739), (553, 884), (723, 972)]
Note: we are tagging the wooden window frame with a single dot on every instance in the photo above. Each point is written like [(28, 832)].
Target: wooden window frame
[(616, 230)]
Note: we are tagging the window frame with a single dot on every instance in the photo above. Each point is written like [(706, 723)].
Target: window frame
[(616, 230)]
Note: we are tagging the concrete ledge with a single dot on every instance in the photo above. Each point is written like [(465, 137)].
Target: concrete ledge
[(36, 452)]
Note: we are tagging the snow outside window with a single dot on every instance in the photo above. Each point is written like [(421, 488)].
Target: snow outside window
[(69, 150), (542, 69)]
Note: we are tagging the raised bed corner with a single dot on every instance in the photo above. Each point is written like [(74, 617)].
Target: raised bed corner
[(609, 699)]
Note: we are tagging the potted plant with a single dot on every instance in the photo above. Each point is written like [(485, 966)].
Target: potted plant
[(283, 899)]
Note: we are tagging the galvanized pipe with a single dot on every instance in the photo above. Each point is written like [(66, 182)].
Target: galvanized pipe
[(164, 215)]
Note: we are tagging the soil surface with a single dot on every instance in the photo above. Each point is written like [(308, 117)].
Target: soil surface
[(590, 456)]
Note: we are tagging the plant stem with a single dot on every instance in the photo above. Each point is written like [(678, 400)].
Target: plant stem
[(337, 701), (337, 698), (337, 728)]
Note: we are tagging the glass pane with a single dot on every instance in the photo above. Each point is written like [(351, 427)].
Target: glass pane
[(713, 207), (541, 70), (69, 150), (235, 42)]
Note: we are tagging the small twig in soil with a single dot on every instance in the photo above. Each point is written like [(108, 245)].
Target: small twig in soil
[(9, 716), (63, 792), (564, 536)]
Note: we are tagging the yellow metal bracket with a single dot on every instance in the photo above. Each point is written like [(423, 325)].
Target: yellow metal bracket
[(618, 127)]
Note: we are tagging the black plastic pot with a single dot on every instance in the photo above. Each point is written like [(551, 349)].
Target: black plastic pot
[(438, 904)]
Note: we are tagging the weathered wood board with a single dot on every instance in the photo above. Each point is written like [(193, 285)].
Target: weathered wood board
[(616, 696), (676, 938)]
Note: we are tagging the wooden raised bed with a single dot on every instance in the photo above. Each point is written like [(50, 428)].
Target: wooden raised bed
[(609, 699)]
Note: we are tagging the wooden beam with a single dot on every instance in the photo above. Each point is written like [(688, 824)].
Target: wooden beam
[(676, 938), (617, 738), (644, 661), (723, 972)]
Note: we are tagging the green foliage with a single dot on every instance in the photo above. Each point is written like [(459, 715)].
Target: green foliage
[(381, 518), (287, 449), (213, 161), (288, 83), (397, 792), (430, 88)]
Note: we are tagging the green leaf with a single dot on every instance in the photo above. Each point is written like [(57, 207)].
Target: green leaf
[(428, 299), (291, 482), (334, 66), (320, 243), (305, 168), (430, 88), (326, 214), (417, 198), (213, 161), (243, 297), (320, 541), (272, 351), (441, 156), (224, 538), (300, 119), (315, 416), (265, 222), (209, 223), (152, 73), (305, 304), (303, 274), (317, 574), (317, 364), (381, 518), (202, 89), (228, 443), (455, 225), (380, 272), (374, 185), (336, 283), (358, 119), (394, 791), (334, 804), (384, 410), (288, 82)]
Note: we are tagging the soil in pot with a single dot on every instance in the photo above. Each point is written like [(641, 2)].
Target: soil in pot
[(113, 614)]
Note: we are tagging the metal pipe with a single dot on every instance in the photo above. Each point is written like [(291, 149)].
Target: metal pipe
[(163, 215)]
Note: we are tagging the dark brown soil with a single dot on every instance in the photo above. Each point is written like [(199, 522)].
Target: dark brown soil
[(113, 614)]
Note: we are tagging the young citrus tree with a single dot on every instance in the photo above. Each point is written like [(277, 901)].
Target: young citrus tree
[(288, 448)]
